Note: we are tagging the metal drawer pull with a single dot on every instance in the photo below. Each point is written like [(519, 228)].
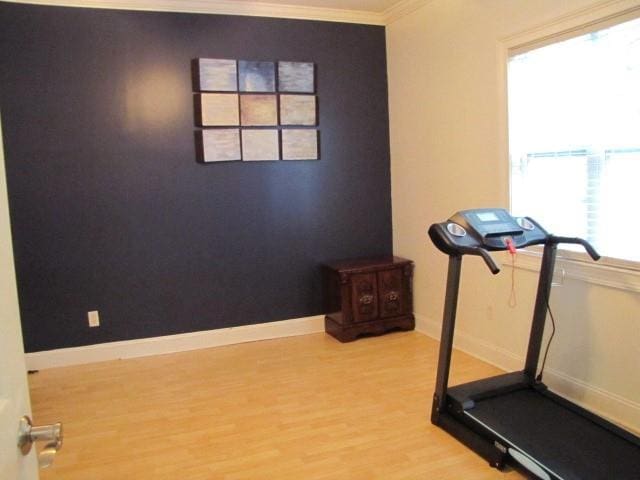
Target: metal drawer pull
[(366, 299), (45, 433)]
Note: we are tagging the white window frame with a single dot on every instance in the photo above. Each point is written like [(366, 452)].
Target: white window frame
[(610, 272)]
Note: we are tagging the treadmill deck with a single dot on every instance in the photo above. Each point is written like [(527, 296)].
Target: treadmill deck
[(566, 443)]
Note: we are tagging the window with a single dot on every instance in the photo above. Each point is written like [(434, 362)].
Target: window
[(574, 137)]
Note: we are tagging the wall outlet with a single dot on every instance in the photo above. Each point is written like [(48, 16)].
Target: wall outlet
[(94, 318)]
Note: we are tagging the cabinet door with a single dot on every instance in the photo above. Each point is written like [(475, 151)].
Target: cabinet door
[(391, 293), (364, 297)]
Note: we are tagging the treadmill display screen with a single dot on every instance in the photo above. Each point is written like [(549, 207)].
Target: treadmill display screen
[(491, 222), (487, 217)]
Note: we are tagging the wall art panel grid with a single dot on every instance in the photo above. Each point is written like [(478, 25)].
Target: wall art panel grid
[(272, 106)]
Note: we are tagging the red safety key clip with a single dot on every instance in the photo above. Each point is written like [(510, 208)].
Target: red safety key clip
[(509, 243)]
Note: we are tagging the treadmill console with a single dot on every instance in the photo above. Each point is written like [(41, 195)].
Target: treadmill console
[(469, 231)]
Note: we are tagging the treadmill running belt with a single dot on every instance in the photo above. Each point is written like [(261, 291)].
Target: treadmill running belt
[(568, 444)]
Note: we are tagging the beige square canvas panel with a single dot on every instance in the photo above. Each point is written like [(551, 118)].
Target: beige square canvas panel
[(297, 110), (219, 109), (221, 145), (299, 144), (258, 110), (260, 145)]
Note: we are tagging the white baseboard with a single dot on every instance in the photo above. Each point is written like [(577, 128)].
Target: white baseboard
[(173, 343), (473, 346), (620, 410)]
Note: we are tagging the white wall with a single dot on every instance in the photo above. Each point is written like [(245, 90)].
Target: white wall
[(448, 152)]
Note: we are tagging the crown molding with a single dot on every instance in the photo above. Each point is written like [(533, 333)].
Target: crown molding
[(402, 9), (227, 7), (598, 13)]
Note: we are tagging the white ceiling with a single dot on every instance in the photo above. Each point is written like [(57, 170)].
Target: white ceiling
[(374, 6), (378, 12)]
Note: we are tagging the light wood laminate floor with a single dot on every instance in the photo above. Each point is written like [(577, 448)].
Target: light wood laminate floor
[(299, 408)]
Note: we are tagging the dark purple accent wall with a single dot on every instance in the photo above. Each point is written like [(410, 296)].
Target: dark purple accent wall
[(111, 211)]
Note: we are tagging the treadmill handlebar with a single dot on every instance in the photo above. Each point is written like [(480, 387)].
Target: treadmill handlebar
[(552, 239), (486, 256), (488, 259)]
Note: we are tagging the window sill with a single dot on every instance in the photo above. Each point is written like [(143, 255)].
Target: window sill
[(607, 272)]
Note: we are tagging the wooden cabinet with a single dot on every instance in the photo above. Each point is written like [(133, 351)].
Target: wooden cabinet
[(368, 296)]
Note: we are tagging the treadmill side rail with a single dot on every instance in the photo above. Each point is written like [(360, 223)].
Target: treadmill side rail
[(464, 396), (480, 444)]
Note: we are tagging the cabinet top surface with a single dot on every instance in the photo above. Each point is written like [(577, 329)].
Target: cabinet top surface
[(370, 263)]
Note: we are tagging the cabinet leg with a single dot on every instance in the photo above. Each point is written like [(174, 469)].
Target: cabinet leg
[(352, 332), (338, 332)]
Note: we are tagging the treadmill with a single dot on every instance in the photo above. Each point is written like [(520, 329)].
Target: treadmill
[(514, 419)]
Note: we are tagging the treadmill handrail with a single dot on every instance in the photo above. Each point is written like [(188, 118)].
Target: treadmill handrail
[(553, 239), (486, 256)]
